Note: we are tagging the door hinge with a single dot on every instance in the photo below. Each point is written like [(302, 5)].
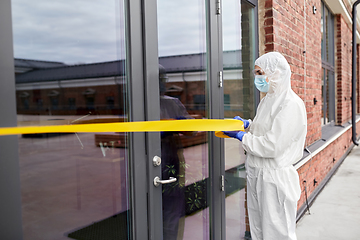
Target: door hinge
[(218, 7), (222, 187), (221, 79)]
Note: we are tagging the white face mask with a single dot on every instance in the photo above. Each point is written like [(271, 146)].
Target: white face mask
[(261, 84)]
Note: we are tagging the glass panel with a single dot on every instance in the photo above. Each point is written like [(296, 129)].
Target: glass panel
[(327, 97), (322, 31), (331, 58), (331, 96), (327, 36), (183, 80), (327, 53), (239, 97), (324, 96), (70, 69)]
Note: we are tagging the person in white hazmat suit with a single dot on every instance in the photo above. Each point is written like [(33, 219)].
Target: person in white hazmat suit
[(273, 142)]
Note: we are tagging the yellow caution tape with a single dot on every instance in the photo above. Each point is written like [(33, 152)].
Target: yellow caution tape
[(220, 134), (144, 126)]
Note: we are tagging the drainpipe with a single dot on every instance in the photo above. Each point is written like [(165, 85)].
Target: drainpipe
[(353, 91)]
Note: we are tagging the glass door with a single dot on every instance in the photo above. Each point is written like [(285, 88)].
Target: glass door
[(115, 61), (183, 87), (70, 67), (187, 200), (240, 99)]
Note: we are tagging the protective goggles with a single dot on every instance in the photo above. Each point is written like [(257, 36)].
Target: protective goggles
[(258, 72)]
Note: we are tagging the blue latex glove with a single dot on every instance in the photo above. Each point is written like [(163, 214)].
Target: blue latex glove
[(235, 134), (246, 122)]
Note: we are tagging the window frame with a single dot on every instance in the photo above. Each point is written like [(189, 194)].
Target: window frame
[(328, 64)]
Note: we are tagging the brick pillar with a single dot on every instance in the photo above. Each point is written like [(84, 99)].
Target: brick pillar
[(343, 69)]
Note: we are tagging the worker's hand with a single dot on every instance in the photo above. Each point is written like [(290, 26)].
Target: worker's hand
[(246, 122), (235, 134)]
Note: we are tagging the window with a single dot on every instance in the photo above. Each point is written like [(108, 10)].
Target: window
[(54, 103), (327, 56), (71, 103), (39, 103), (110, 102), (199, 102), (25, 102), (90, 104), (227, 102)]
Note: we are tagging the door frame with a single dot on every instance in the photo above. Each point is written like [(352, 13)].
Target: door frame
[(142, 69), (138, 154), (145, 105), (10, 208)]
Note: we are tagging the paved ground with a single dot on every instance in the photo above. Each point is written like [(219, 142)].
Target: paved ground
[(335, 213)]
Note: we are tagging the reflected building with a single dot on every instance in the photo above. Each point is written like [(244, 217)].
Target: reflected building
[(54, 88), (59, 92)]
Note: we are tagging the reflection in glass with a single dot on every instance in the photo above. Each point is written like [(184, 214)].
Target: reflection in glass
[(327, 35), (325, 97), (182, 47), (70, 69), (327, 55), (239, 100), (323, 107)]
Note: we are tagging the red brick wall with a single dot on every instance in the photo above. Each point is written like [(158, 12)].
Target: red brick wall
[(343, 70), (284, 31), (320, 165), (313, 70)]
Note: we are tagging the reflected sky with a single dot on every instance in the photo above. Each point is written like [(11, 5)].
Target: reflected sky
[(80, 31), (70, 31), (231, 24), (182, 29)]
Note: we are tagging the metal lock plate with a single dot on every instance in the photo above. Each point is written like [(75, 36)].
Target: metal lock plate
[(157, 161)]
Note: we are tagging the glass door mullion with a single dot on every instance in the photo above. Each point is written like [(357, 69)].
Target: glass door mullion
[(152, 112), (11, 227), (240, 49), (137, 151), (216, 99)]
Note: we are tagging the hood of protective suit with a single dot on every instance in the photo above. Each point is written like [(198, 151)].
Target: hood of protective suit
[(278, 130), (277, 69)]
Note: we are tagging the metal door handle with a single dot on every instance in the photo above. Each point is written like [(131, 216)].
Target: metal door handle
[(157, 181)]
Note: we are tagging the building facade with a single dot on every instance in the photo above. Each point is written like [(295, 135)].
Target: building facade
[(124, 61)]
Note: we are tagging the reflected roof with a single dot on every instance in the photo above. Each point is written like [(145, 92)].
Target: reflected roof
[(94, 70), (53, 71), (197, 62), (36, 64)]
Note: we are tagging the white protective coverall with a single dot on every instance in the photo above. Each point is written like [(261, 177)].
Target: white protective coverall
[(274, 142)]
